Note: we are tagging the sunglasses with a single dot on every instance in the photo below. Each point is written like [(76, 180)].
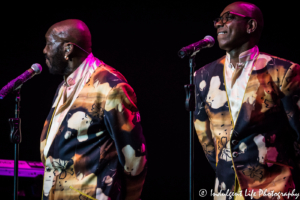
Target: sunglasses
[(228, 16)]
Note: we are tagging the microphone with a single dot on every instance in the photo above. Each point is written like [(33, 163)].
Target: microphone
[(208, 41), (18, 82)]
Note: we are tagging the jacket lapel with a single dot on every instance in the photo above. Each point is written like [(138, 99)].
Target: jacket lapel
[(248, 105), (68, 104)]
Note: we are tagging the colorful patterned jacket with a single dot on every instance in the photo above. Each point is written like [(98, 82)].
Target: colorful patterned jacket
[(259, 151), (99, 150)]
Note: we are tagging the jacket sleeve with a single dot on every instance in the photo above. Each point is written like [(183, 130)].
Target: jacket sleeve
[(122, 119), (291, 102), (202, 126), (291, 97)]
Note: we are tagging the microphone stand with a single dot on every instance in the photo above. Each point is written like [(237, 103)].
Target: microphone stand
[(190, 106), (16, 138)]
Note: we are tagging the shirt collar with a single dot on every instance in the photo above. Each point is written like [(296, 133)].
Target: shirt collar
[(245, 56), (89, 62)]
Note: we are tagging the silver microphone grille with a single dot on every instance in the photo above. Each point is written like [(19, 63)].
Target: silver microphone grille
[(37, 68), (211, 39)]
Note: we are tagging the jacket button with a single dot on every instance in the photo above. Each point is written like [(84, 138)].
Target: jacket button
[(235, 154), (234, 142)]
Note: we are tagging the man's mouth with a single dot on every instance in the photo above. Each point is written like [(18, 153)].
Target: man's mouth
[(222, 32), (47, 62)]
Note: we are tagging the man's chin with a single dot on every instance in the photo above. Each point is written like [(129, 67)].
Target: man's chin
[(223, 45), (57, 68), (50, 68), (53, 71)]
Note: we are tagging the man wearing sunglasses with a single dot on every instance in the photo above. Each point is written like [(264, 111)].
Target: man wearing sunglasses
[(247, 114), (92, 144)]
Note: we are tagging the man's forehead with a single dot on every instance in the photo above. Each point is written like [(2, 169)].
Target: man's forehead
[(241, 8), (55, 32)]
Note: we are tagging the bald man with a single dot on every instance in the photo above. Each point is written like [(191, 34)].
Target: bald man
[(247, 111), (92, 144)]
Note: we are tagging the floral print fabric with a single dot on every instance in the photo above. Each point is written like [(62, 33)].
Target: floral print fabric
[(259, 150), (99, 151)]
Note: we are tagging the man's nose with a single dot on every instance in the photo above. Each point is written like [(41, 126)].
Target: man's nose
[(219, 24), (44, 50)]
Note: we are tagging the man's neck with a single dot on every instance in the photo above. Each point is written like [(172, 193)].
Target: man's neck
[(235, 53), (74, 64)]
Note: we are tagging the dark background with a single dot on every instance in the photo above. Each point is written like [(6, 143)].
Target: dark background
[(141, 40)]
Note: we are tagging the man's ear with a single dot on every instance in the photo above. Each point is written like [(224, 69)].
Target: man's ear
[(68, 49), (252, 25)]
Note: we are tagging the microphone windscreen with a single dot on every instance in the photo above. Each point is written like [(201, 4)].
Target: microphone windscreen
[(37, 68), (211, 40)]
